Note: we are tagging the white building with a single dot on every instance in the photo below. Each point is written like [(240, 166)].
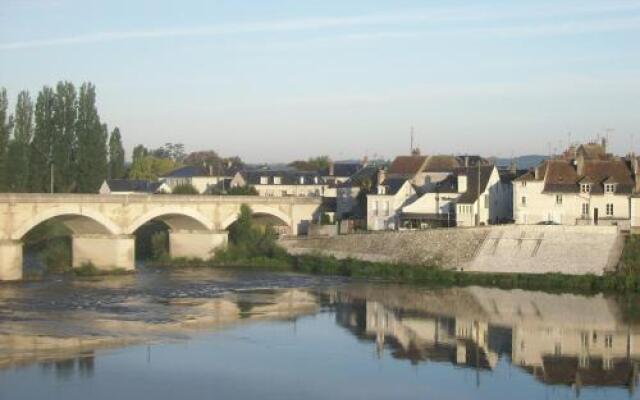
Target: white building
[(205, 180), (385, 204), (584, 186), (286, 183), (133, 186)]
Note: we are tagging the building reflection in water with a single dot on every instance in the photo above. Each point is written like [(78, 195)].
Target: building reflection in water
[(559, 339), (81, 366)]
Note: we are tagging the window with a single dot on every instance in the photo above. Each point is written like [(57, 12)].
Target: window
[(585, 209), (585, 339), (264, 180), (524, 183), (607, 363), (610, 210), (315, 180), (523, 201), (609, 188), (557, 349), (302, 180), (585, 188), (386, 208), (608, 341), (558, 199), (374, 208), (277, 180)]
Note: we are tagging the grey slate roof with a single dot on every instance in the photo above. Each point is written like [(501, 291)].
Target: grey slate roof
[(471, 195), (288, 177), (343, 169)]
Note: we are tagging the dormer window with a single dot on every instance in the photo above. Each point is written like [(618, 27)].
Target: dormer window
[(585, 188), (277, 180), (302, 180), (382, 189), (609, 188), (264, 180), (315, 180)]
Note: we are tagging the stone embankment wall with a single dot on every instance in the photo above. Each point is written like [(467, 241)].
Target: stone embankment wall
[(447, 247), (513, 248)]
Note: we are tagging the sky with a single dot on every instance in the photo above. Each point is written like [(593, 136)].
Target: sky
[(283, 80)]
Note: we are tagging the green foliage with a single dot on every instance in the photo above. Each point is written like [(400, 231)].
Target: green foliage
[(92, 142), (65, 145), (42, 143), (173, 151), (5, 132), (50, 242), (150, 167), (139, 152), (241, 191), (312, 164), (160, 246), (248, 241), (630, 260), (116, 155), (18, 154), (185, 189), (325, 219), (87, 269)]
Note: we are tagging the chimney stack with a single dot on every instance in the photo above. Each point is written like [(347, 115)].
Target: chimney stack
[(382, 175), (331, 168)]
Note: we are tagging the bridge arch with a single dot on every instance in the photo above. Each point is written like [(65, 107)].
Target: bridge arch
[(79, 221), (258, 210), (176, 218)]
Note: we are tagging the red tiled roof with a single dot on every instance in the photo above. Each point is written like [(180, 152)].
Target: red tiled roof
[(407, 165)]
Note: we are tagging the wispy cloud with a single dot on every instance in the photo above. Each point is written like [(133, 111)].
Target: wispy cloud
[(424, 18)]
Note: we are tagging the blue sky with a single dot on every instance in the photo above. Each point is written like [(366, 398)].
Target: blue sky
[(279, 80)]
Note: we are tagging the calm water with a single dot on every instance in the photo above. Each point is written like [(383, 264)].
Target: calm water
[(246, 335)]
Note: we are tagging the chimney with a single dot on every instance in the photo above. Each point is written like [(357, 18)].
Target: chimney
[(331, 168), (382, 175), (210, 170), (462, 182)]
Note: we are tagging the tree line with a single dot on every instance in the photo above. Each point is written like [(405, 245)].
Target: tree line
[(59, 143)]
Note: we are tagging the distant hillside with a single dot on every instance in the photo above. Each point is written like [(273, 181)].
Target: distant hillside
[(523, 162)]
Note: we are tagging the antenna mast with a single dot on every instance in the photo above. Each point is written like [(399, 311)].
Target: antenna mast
[(411, 150)]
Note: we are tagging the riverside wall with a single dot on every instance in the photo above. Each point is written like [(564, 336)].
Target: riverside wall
[(572, 250)]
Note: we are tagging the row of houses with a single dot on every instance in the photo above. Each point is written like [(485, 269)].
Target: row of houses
[(584, 185)]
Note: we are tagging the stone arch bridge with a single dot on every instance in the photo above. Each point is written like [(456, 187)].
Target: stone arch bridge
[(103, 226)]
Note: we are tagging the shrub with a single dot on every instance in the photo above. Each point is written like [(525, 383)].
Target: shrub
[(185, 189)]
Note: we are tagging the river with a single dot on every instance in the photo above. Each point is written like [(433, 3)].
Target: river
[(243, 334)]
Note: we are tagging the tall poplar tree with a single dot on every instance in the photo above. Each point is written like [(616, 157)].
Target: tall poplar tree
[(18, 158), (65, 143), (116, 155), (5, 132), (92, 142), (41, 148)]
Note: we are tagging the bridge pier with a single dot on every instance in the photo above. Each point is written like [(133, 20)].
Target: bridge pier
[(10, 260), (195, 244), (105, 252)]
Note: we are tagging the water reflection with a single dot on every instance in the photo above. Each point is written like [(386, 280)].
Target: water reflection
[(559, 339), (59, 330)]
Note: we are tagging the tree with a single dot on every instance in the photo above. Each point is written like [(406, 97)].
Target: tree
[(312, 164), (92, 142), (116, 155), (65, 140), (5, 132), (18, 157), (40, 152), (150, 167), (139, 152)]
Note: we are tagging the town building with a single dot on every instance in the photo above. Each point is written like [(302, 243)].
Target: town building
[(385, 203), (284, 183), (205, 179), (584, 186), (133, 186)]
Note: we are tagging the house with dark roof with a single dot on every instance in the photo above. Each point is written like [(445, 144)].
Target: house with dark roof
[(468, 196), (584, 186), (385, 202), (340, 171), (206, 179), (284, 183), (351, 200), (133, 186)]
